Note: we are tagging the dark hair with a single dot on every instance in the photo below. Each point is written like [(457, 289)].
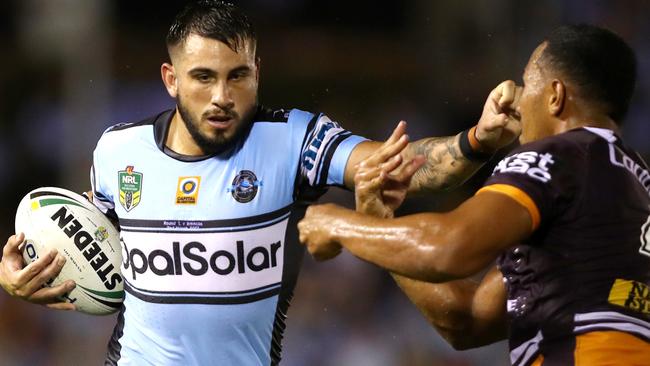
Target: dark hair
[(217, 20), (599, 61)]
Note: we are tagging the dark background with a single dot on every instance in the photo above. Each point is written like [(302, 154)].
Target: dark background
[(71, 68)]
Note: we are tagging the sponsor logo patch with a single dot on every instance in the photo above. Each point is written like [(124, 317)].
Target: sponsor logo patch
[(631, 295), (245, 186), (194, 259), (187, 191), (535, 165), (130, 186)]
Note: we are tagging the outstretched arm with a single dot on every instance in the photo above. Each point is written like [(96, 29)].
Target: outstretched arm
[(447, 165), (431, 247), (465, 312)]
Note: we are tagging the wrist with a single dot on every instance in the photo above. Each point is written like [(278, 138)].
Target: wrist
[(472, 148)]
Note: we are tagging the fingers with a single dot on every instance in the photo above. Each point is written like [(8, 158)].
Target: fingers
[(304, 225), (369, 172), (397, 141), (28, 282), (52, 295), (385, 177), (12, 244), (88, 195), (313, 233), (25, 281), (35, 267), (409, 169), (324, 255), (503, 100), (43, 276), (62, 306), (385, 152), (518, 91), (398, 132), (497, 118), (302, 234), (507, 91)]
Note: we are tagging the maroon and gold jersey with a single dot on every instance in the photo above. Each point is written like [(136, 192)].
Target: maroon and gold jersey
[(586, 267)]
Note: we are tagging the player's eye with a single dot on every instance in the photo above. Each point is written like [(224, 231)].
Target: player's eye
[(238, 75), (204, 78)]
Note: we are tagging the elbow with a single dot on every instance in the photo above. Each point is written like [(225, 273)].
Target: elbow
[(467, 341), (449, 259), (459, 339), (463, 344)]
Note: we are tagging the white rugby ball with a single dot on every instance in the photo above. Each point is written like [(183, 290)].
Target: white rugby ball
[(57, 218)]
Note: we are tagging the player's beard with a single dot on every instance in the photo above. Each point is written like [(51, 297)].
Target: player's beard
[(220, 142)]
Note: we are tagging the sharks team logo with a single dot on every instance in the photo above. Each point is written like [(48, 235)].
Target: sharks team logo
[(244, 187), (130, 185)]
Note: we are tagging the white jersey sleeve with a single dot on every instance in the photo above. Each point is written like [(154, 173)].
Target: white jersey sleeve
[(102, 196)]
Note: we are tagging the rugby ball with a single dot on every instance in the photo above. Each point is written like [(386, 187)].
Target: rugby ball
[(57, 218)]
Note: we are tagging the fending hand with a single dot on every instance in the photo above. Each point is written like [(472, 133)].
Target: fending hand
[(382, 179), (500, 122)]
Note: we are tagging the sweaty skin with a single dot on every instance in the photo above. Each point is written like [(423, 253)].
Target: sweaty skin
[(450, 247)]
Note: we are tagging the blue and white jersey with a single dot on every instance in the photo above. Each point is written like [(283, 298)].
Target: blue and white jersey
[(210, 245)]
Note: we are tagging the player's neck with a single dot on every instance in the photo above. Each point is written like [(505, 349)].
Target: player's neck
[(581, 114), (594, 120), (179, 139)]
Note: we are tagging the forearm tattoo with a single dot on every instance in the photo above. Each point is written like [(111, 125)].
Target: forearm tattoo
[(445, 167)]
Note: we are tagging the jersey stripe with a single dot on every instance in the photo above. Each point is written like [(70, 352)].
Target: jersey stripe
[(518, 195), (181, 226), (611, 320), (330, 150), (527, 351), (293, 254), (202, 298), (191, 227), (113, 354)]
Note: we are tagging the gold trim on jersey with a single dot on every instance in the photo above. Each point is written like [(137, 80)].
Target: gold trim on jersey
[(610, 348), (605, 348), (518, 195)]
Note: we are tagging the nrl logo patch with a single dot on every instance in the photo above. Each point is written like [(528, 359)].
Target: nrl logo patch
[(244, 187), (130, 186)]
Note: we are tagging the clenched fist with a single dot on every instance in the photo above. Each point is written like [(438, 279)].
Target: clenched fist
[(316, 231)]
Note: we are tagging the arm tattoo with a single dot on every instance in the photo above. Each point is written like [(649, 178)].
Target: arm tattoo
[(445, 167)]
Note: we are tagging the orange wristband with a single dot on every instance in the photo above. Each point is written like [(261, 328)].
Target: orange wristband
[(471, 147), (473, 141)]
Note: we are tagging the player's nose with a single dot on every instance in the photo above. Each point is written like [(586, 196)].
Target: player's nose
[(221, 95)]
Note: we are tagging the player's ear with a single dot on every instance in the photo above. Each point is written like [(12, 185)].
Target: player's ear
[(258, 63), (557, 98), (168, 74)]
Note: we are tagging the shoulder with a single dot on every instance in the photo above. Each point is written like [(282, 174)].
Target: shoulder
[(129, 127), (544, 158), (574, 145), (264, 114), (126, 132), (286, 116), (571, 142)]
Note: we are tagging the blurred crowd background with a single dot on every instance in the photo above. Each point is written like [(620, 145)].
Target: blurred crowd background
[(71, 68)]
